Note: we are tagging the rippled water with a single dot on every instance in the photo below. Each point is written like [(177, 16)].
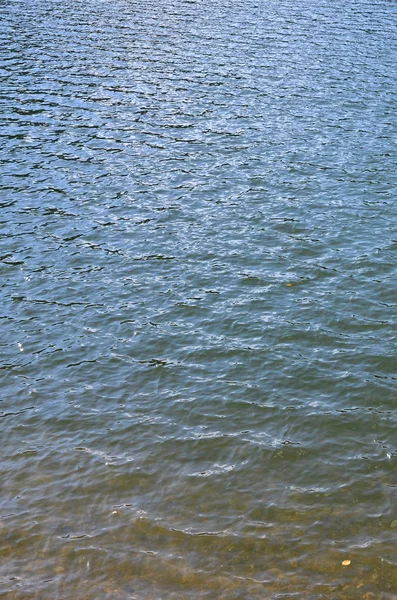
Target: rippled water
[(198, 299)]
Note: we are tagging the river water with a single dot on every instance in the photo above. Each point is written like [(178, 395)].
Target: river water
[(198, 299)]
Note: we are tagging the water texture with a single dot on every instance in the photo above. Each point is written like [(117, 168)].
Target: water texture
[(198, 299)]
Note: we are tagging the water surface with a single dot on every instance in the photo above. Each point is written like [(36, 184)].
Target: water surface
[(198, 300)]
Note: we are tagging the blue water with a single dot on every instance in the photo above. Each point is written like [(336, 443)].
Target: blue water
[(198, 300)]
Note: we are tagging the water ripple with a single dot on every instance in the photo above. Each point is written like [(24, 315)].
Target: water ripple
[(197, 259)]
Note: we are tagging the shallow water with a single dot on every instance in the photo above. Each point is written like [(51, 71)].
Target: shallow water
[(198, 300)]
